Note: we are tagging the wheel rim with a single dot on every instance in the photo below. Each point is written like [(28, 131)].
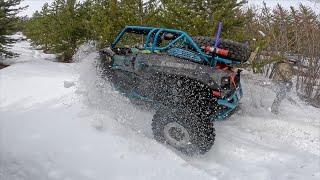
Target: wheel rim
[(176, 135)]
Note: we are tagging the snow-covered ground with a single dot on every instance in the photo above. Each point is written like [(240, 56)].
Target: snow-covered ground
[(59, 121)]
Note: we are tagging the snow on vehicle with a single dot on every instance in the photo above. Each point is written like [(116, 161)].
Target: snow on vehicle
[(188, 81)]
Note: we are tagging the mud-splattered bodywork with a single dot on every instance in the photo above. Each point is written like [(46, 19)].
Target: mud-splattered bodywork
[(168, 80)]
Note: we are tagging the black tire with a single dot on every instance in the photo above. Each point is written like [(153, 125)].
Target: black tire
[(178, 91), (237, 51), (200, 134)]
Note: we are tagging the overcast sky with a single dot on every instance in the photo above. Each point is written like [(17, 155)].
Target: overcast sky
[(33, 6), (37, 4)]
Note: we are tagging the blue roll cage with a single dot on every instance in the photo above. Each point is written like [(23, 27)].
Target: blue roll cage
[(153, 35)]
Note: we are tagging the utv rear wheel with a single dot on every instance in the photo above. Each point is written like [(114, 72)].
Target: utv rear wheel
[(183, 130), (237, 51)]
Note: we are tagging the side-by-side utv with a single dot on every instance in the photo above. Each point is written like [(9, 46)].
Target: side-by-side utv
[(189, 81)]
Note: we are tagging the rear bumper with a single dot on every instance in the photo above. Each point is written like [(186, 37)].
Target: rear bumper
[(229, 104)]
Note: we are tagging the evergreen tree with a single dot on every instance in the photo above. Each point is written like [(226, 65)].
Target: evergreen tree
[(59, 27), (63, 25), (8, 19), (39, 28), (201, 17)]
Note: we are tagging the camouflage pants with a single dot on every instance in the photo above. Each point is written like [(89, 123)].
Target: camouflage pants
[(283, 88)]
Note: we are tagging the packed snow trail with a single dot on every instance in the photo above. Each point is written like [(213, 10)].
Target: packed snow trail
[(60, 121)]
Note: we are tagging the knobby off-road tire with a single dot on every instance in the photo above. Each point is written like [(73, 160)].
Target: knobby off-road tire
[(181, 91), (183, 130), (237, 51)]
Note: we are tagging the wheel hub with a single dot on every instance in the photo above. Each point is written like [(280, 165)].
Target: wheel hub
[(176, 135)]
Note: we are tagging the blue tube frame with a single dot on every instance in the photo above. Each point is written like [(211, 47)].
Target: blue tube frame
[(154, 34), (231, 103)]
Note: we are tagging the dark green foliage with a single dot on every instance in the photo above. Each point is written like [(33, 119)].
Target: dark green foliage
[(201, 17), (62, 26), (59, 27), (8, 23)]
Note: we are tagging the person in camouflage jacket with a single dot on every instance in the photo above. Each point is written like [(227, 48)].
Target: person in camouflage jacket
[(282, 76)]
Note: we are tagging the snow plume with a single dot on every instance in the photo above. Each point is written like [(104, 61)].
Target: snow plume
[(101, 97), (84, 51)]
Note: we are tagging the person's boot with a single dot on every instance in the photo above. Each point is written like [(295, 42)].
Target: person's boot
[(274, 109)]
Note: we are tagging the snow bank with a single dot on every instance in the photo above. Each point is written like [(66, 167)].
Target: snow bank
[(90, 131), (29, 53)]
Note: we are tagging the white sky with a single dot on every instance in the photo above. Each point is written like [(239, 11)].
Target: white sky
[(33, 6), (37, 4)]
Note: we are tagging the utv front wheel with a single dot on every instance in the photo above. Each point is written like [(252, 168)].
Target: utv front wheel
[(183, 130)]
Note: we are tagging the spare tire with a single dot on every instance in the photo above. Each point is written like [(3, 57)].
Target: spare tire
[(237, 51)]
